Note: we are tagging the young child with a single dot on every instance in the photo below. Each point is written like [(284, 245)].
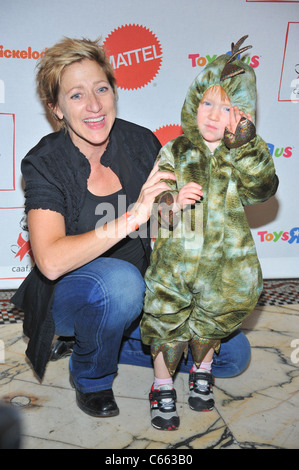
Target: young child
[(204, 277)]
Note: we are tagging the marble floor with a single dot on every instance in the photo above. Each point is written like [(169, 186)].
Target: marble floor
[(258, 409)]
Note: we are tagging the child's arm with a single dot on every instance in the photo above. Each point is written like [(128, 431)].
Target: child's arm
[(252, 162)]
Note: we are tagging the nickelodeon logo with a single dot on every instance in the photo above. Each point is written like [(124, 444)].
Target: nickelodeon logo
[(135, 55), (20, 54)]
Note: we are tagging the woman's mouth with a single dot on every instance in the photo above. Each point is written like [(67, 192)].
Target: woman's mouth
[(96, 120)]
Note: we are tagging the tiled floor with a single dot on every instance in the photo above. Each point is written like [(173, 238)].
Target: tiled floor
[(258, 409)]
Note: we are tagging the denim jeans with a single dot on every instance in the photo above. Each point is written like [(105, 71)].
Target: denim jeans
[(97, 303), (100, 304)]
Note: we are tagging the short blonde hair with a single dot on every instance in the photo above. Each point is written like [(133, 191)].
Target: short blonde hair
[(62, 54)]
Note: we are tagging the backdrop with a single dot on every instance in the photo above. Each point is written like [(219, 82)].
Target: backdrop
[(157, 47)]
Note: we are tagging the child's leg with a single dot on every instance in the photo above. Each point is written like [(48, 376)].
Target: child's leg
[(207, 361), (162, 398), (160, 369), (201, 382)]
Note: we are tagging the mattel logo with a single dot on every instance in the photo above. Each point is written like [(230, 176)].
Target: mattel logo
[(135, 54)]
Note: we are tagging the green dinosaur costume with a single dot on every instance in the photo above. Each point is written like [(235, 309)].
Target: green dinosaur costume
[(205, 277)]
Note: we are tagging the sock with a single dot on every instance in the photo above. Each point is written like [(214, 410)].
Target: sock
[(159, 382), (204, 365)]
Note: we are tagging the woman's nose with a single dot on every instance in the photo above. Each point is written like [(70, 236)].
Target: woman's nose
[(94, 103)]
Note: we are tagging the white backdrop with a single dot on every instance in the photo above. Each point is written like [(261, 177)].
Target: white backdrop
[(157, 48)]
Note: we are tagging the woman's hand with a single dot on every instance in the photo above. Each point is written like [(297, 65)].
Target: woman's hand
[(150, 190), (234, 117)]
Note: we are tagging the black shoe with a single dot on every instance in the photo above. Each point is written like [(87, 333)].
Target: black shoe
[(201, 397), (62, 347), (100, 404), (163, 409)]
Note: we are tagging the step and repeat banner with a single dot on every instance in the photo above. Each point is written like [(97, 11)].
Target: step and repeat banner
[(156, 47)]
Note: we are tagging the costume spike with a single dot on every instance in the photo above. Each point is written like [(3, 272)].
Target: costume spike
[(172, 353), (230, 70), (200, 346)]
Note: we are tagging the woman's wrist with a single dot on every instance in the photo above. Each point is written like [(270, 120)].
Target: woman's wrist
[(131, 220)]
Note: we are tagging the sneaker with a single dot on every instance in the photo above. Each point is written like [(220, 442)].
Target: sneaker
[(163, 410), (201, 396)]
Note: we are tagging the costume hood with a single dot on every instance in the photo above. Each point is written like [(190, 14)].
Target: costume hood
[(233, 75)]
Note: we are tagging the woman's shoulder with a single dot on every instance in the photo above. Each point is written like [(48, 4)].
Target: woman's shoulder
[(123, 125), (54, 158), (126, 127), (48, 145)]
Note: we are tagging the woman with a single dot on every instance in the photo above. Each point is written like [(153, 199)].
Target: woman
[(76, 179), (87, 281)]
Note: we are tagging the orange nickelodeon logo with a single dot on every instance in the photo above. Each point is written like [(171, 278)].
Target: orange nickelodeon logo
[(20, 54), (166, 133), (135, 54)]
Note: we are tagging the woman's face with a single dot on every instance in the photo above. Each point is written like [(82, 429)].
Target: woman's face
[(86, 102)]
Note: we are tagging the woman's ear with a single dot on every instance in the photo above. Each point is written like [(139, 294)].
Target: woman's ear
[(56, 110)]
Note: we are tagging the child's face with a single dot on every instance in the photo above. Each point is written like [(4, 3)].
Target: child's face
[(213, 118)]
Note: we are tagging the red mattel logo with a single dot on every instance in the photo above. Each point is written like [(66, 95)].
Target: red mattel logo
[(166, 133), (135, 54)]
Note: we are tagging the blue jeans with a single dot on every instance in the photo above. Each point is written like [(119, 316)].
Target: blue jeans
[(97, 303), (100, 304)]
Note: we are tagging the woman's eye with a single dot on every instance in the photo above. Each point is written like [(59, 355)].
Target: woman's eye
[(102, 89), (226, 109), (76, 96)]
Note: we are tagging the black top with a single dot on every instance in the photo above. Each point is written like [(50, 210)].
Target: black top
[(56, 173), (98, 210)]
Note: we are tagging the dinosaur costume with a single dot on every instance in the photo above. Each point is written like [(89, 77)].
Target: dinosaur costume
[(205, 277)]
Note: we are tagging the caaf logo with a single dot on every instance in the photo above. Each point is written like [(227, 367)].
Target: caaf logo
[(135, 54), (23, 249), (166, 133)]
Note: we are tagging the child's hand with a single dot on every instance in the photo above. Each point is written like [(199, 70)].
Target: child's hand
[(234, 117), (241, 129), (190, 193)]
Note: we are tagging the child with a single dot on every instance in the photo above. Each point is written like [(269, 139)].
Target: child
[(204, 277)]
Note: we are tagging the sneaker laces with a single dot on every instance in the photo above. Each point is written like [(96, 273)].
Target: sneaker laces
[(202, 385), (166, 403)]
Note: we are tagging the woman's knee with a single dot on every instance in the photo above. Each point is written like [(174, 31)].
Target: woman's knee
[(119, 286), (105, 288), (128, 290)]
